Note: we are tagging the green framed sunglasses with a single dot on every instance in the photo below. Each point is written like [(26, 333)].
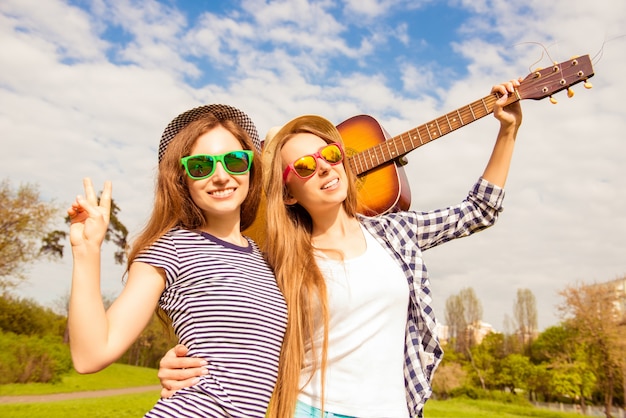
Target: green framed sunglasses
[(201, 166)]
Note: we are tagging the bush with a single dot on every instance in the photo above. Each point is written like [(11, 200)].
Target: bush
[(472, 392), (24, 316), (27, 359), (450, 376)]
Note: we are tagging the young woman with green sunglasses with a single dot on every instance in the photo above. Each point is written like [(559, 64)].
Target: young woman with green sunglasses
[(192, 261)]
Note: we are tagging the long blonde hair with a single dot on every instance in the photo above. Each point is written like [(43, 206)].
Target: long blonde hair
[(290, 253), (173, 205)]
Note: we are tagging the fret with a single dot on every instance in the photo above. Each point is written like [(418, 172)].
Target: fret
[(411, 139), (402, 142), (407, 145), (485, 105), (449, 125), (362, 165), (362, 162), (424, 132), (472, 110), (438, 128), (354, 163), (396, 142), (396, 147), (377, 160), (460, 117), (419, 136), (429, 133)]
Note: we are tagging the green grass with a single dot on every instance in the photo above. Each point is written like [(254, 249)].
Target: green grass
[(124, 406), (128, 406), (468, 408), (113, 377), (135, 405)]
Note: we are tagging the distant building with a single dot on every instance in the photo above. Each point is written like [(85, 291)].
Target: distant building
[(478, 330), (481, 330), (619, 287), (443, 333)]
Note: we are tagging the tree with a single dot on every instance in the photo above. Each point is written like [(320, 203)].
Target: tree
[(24, 220), (486, 360), (512, 343), (515, 372), (26, 235), (561, 353), (463, 315), (525, 311), (593, 310), (27, 317)]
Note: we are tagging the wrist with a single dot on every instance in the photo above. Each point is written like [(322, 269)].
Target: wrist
[(86, 251)]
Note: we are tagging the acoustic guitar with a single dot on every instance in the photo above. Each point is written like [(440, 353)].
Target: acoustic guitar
[(377, 159)]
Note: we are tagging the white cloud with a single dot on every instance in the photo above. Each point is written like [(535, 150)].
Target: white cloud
[(76, 103), (71, 37)]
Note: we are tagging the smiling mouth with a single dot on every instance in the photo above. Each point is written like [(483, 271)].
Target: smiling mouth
[(222, 193), (330, 184)]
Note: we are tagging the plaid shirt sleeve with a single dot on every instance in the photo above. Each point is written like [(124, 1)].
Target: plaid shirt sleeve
[(405, 235), (479, 210)]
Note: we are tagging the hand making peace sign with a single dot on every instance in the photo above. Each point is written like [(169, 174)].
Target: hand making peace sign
[(89, 219)]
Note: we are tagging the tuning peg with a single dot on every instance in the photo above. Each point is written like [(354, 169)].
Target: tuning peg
[(570, 93), (588, 85), (553, 100)]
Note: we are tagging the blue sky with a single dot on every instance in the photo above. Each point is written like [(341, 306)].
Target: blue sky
[(87, 87)]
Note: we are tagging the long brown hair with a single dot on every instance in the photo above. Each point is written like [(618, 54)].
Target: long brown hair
[(173, 205), (290, 253)]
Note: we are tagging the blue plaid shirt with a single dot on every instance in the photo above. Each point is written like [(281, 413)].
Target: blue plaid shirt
[(405, 235)]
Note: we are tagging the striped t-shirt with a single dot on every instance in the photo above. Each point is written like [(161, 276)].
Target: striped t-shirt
[(226, 308)]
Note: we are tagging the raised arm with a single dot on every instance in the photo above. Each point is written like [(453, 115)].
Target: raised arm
[(99, 337), (510, 118)]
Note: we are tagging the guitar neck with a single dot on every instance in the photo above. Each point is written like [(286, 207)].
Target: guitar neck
[(537, 85), (406, 142)]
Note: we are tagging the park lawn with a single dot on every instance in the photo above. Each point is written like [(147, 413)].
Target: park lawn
[(470, 408), (135, 405), (113, 377), (122, 406), (132, 406)]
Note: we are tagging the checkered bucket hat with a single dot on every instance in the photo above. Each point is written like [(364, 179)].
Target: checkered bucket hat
[(221, 111)]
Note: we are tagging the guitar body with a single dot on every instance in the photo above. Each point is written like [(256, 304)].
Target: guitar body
[(384, 188)]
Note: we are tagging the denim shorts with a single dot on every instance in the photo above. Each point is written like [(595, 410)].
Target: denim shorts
[(306, 411)]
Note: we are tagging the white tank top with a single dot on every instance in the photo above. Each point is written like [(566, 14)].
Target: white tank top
[(368, 300)]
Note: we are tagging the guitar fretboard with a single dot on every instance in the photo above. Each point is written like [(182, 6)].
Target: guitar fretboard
[(537, 85), (406, 142)]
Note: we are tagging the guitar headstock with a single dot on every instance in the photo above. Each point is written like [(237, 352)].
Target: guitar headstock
[(547, 81)]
